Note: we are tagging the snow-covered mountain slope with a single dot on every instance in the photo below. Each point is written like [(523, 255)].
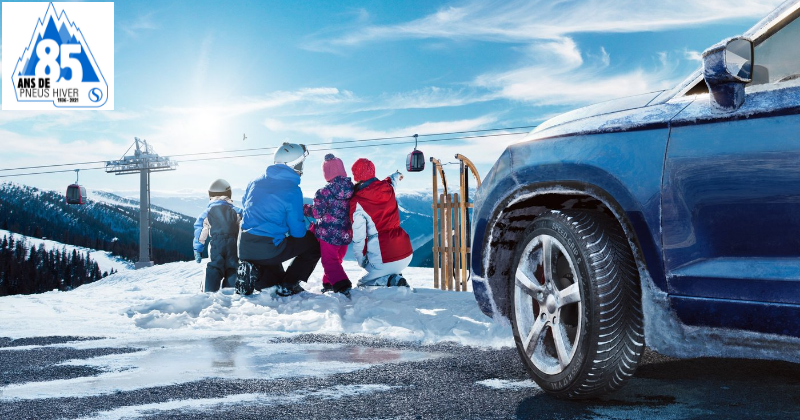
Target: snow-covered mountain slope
[(157, 212), (104, 259), (165, 302), (107, 222)]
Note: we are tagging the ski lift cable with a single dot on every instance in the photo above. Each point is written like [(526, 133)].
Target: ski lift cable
[(334, 148), (53, 166), (49, 172), (269, 154), (360, 140), (274, 147), (343, 147)]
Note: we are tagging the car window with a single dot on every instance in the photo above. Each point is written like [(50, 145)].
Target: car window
[(777, 58)]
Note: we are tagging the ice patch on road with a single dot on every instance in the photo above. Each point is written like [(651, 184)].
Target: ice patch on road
[(165, 363), (136, 411), (671, 412), (193, 405), (508, 384)]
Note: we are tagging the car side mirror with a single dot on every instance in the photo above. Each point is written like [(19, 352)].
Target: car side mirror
[(727, 67)]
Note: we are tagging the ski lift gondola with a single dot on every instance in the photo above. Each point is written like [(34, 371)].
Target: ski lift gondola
[(76, 194), (415, 162)]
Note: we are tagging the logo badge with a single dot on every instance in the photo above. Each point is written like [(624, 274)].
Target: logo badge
[(57, 65)]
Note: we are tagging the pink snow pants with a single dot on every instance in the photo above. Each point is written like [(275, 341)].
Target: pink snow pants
[(332, 257)]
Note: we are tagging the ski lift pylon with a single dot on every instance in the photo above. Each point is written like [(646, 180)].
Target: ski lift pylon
[(76, 194), (415, 162)]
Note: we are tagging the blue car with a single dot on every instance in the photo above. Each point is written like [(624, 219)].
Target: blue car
[(670, 219)]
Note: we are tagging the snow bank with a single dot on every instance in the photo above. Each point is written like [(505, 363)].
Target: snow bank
[(165, 302), (104, 259)]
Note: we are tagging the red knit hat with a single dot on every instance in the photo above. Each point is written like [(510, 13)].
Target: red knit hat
[(363, 170), (332, 167)]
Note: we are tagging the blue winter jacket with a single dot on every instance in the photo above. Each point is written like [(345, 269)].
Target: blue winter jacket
[(273, 205), (198, 225)]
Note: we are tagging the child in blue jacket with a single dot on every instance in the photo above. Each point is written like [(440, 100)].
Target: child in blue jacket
[(219, 224)]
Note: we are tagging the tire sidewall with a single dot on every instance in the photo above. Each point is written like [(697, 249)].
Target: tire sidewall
[(553, 225)]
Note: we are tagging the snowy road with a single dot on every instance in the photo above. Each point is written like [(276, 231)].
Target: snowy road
[(147, 344), (391, 380)]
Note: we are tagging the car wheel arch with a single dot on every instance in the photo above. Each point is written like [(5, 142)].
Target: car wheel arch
[(517, 211)]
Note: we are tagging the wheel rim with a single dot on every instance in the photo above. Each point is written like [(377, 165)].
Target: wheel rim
[(548, 304)]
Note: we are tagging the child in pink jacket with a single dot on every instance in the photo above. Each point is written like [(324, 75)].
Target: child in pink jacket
[(332, 227)]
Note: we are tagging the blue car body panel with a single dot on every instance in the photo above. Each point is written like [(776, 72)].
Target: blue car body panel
[(709, 200)]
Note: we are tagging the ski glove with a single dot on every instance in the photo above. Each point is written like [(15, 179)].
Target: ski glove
[(197, 257)]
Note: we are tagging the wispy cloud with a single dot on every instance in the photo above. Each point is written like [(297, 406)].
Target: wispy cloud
[(553, 69), (46, 120), (692, 55), (25, 149), (325, 131), (317, 95), (427, 97), (142, 23), (558, 75), (524, 21)]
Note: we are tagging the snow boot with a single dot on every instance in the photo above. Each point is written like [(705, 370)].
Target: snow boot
[(289, 289), (246, 277), (397, 280), (343, 287)]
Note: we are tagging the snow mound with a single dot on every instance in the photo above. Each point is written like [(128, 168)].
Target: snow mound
[(165, 301)]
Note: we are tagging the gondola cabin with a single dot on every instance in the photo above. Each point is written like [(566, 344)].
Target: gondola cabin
[(76, 194), (415, 162)]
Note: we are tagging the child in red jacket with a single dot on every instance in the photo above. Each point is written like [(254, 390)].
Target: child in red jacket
[(380, 245)]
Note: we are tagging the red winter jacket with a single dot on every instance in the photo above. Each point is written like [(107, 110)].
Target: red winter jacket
[(377, 235)]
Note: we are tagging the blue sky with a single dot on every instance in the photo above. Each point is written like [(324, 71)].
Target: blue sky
[(194, 76)]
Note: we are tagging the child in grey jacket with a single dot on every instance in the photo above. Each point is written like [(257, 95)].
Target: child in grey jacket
[(219, 223)]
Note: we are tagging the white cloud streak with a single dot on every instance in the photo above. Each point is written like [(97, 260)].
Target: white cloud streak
[(554, 71), (142, 23), (525, 21), (558, 75), (319, 95), (355, 131)]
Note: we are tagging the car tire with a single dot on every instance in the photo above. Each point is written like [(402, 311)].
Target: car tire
[(579, 330)]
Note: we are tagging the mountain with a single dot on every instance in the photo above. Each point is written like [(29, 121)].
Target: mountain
[(107, 223), (31, 265), (106, 261)]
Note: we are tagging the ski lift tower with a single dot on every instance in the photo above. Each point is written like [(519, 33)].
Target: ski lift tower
[(143, 161)]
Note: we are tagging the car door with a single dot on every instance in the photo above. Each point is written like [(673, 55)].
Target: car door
[(731, 200)]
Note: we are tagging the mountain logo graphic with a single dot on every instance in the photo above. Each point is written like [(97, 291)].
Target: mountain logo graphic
[(58, 66)]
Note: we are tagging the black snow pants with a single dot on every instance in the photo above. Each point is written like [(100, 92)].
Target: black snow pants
[(223, 263), (305, 252)]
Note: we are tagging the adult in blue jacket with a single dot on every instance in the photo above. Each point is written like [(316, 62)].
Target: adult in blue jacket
[(274, 229)]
